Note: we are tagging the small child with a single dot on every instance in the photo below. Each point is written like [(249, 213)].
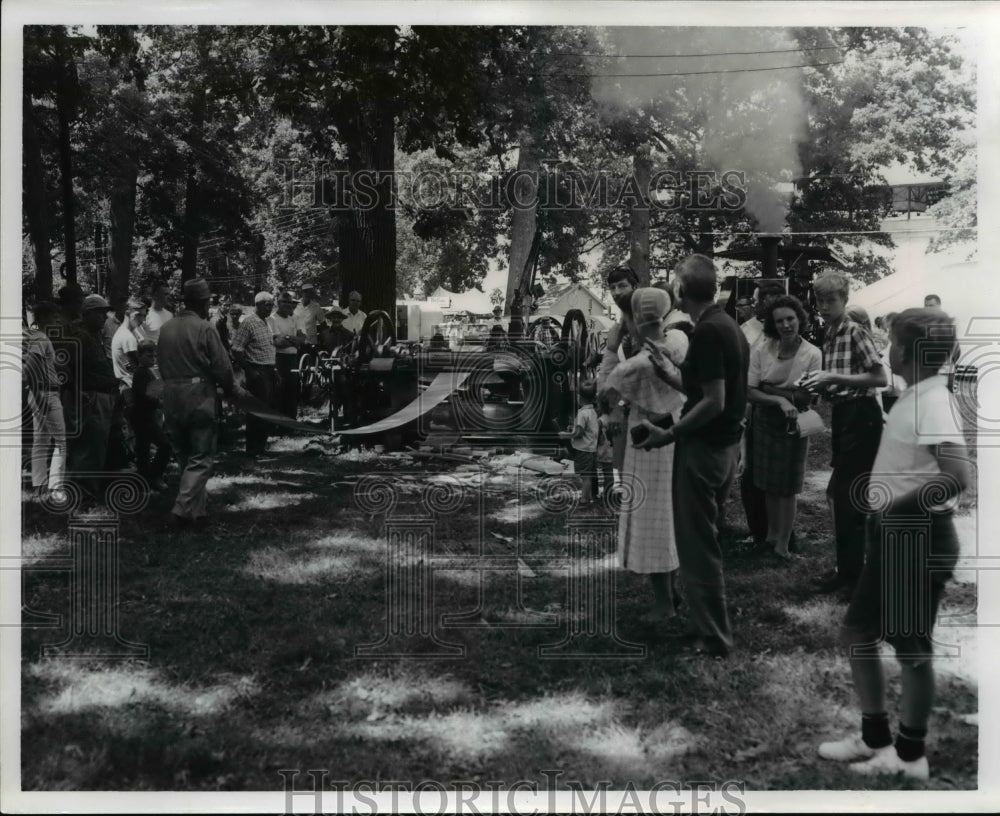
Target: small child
[(147, 418), (910, 547), (583, 439)]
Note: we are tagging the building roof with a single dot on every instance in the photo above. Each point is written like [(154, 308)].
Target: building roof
[(549, 299)]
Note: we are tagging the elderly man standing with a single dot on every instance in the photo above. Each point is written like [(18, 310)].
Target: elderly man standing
[(253, 350), (355, 317), (89, 397), (287, 339), (708, 435), (308, 315), (193, 363)]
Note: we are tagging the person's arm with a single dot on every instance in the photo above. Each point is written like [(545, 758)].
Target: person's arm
[(872, 375), (238, 346), (711, 404), (218, 362), (664, 367), (954, 479)]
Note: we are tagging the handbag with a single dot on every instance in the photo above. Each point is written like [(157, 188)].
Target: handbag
[(809, 423)]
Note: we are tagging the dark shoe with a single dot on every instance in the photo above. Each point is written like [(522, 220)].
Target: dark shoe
[(793, 545)]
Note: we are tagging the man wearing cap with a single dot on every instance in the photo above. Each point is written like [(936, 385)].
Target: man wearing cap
[(193, 363), (253, 350), (355, 317), (308, 315), (124, 346), (89, 397), (287, 339)]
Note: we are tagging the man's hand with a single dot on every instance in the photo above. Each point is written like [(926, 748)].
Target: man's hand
[(658, 437), (818, 380)]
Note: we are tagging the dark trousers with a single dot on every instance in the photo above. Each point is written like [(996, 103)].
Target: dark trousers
[(752, 497), (260, 383), (703, 475), (88, 430), (287, 398), (118, 453), (147, 434), (856, 430)]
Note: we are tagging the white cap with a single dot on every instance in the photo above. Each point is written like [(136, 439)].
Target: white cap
[(261, 296)]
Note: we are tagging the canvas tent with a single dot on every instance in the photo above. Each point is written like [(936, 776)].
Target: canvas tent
[(473, 301)]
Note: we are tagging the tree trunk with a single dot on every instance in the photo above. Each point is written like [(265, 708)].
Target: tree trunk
[(35, 207), (524, 218), (191, 232), (368, 233), (639, 216), (122, 228), (64, 109)]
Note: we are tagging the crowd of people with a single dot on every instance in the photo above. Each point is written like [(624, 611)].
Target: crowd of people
[(686, 400), (689, 397), (111, 389)]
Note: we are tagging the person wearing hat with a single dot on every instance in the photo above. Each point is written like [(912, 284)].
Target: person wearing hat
[(193, 363), (287, 339), (254, 352), (47, 420), (308, 315), (89, 396), (336, 336), (355, 319)]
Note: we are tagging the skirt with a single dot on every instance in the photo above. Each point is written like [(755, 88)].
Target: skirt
[(646, 542), (779, 458)]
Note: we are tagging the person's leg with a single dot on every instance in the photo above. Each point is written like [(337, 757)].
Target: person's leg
[(258, 385), (55, 426), (40, 440), (193, 495), (163, 452), (701, 474), (752, 497), (664, 590), (783, 510), (583, 464)]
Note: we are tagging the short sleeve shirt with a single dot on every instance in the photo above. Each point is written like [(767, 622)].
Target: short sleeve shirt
[(283, 325), (765, 367), (307, 319), (355, 322), (925, 415), (717, 351), (255, 341), (849, 349), (155, 318), (121, 344), (586, 418)]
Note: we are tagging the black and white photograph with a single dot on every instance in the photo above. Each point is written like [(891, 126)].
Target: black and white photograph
[(499, 407)]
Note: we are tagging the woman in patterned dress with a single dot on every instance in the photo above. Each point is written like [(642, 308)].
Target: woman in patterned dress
[(646, 543)]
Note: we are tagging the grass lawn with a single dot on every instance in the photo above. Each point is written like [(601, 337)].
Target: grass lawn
[(253, 629)]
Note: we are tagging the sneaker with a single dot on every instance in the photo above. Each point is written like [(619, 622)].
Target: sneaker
[(887, 761), (849, 749)]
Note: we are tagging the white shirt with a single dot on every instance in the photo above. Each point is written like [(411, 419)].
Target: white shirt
[(122, 343), (354, 322), (753, 331), (155, 318), (308, 319), (765, 367), (283, 325), (925, 414)]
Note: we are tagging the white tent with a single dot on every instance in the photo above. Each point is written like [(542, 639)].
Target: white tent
[(967, 292), (472, 301)]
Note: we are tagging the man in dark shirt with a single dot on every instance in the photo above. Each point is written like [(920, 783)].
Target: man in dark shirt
[(708, 434), (193, 363), (89, 396)]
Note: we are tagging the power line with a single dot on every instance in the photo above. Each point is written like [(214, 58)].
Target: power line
[(679, 56), (699, 73)]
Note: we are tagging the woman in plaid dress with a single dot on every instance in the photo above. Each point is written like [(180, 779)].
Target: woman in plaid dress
[(646, 543), (779, 454)]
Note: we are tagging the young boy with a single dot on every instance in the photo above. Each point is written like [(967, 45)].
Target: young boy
[(147, 418), (583, 439), (851, 372), (922, 467)]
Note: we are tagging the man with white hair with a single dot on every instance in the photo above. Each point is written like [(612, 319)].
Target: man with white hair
[(355, 317), (253, 349)]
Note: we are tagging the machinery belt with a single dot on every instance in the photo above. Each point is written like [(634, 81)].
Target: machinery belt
[(437, 392)]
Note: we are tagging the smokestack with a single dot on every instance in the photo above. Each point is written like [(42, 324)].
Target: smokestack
[(769, 257)]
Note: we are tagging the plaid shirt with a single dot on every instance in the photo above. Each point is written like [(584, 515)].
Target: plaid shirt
[(254, 340), (849, 349)]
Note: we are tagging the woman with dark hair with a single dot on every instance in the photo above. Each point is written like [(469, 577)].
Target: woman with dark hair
[(779, 452)]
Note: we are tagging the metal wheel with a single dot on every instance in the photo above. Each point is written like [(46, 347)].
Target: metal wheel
[(377, 334)]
